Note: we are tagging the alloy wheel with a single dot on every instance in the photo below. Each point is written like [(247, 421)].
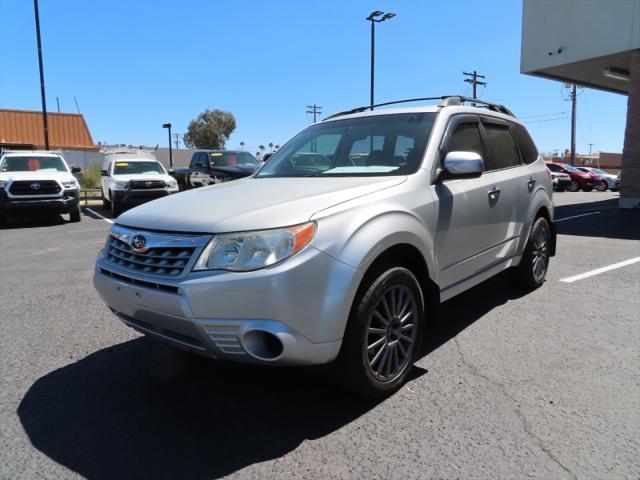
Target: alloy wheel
[(540, 254), (391, 333)]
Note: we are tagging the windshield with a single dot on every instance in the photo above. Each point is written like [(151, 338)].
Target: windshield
[(33, 164), (128, 168), (379, 145), (572, 169), (599, 172), (227, 159)]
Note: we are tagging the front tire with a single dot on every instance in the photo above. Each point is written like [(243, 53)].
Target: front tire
[(531, 272), (74, 216), (574, 186), (382, 338), (602, 187)]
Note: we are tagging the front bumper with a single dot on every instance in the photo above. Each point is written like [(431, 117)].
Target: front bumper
[(303, 303), (131, 198), (16, 206), (563, 183)]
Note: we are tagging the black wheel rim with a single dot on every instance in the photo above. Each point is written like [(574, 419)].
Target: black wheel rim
[(391, 333)]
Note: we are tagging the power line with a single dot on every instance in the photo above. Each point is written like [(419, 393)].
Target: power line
[(547, 120), (545, 114), (315, 110), (473, 80)]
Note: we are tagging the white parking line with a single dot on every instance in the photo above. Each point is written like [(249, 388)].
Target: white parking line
[(598, 271), (108, 220), (576, 216)]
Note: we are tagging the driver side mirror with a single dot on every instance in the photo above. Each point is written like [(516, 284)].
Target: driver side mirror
[(104, 173), (463, 164), (76, 169)]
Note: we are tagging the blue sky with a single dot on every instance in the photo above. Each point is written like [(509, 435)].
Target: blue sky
[(134, 65)]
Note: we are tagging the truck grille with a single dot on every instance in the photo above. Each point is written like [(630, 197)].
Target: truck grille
[(35, 187), (146, 185), (165, 261)]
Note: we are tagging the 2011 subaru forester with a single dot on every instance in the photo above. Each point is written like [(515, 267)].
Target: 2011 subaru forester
[(337, 249)]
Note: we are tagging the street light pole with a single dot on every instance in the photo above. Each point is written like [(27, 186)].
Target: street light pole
[(168, 127), (374, 18), (44, 99)]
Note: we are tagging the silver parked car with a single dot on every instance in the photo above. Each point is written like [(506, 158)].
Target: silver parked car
[(339, 248)]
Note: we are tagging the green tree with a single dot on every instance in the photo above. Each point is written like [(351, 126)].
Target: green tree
[(241, 146), (210, 130), (271, 146), (261, 148)]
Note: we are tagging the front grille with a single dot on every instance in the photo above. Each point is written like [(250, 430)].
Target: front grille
[(146, 185), (161, 261), (35, 187), (142, 283)]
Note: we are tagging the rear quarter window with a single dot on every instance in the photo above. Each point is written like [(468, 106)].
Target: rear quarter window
[(527, 147)]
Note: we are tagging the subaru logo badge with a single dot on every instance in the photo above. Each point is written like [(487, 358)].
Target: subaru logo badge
[(138, 243), (35, 186)]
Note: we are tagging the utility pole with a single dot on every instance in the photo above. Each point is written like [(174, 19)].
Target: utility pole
[(555, 153), (573, 124), (176, 136), (590, 145), (315, 110), (44, 100), (474, 81)]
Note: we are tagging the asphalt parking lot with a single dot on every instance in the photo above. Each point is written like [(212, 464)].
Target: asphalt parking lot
[(510, 385)]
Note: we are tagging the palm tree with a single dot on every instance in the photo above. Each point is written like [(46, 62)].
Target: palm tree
[(261, 148), (271, 146), (241, 146), (276, 147)]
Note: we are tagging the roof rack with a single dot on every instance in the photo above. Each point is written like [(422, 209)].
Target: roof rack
[(447, 100)]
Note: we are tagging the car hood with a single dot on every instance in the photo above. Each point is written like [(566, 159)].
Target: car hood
[(59, 176), (236, 171), (251, 203), (141, 177)]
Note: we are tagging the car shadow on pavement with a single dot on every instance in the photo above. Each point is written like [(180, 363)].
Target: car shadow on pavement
[(142, 409), (14, 223), (611, 222)]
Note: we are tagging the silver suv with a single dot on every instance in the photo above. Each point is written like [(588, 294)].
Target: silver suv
[(339, 249)]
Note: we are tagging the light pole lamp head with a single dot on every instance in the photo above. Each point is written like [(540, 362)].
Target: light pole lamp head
[(166, 125), (387, 16), (375, 14)]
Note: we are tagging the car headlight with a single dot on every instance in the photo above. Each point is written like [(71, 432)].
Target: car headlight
[(245, 251), (4, 183), (70, 184), (172, 184), (120, 185)]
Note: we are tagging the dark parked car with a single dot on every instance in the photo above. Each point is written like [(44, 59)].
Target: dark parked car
[(208, 167), (579, 179)]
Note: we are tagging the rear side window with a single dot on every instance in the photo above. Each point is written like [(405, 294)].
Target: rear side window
[(527, 147), (502, 150), (466, 139), (554, 167)]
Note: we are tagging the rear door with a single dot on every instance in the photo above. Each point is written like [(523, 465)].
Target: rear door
[(471, 226)]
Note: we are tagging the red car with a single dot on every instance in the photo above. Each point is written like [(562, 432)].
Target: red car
[(579, 179)]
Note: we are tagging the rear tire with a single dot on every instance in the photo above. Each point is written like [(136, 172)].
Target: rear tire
[(531, 272), (382, 338), (602, 187)]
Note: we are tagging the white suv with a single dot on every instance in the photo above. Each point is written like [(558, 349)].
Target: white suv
[(37, 183), (133, 177), (339, 249)]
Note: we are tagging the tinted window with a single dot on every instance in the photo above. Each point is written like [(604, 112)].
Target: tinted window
[(227, 159), (199, 157), (502, 150), (127, 168), (326, 148), (527, 147), (554, 167), (466, 139)]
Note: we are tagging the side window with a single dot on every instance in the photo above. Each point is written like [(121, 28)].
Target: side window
[(502, 150), (199, 159), (361, 149), (527, 147), (554, 167), (466, 138)]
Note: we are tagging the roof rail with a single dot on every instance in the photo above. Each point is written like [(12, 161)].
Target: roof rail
[(447, 100)]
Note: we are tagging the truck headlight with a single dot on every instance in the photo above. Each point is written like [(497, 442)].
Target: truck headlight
[(245, 251), (71, 184), (120, 185), (171, 184), (4, 183)]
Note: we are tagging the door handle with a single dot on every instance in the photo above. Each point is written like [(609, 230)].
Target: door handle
[(494, 192), (531, 183)]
